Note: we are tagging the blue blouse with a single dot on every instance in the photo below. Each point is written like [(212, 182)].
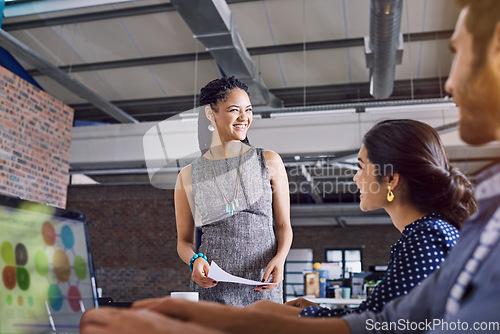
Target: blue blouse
[(423, 245)]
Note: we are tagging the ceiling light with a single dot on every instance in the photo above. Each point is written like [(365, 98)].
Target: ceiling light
[(313, 113), (412, 107)]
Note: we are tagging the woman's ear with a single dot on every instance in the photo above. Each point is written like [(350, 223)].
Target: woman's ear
[(209, 113), (393, 180)]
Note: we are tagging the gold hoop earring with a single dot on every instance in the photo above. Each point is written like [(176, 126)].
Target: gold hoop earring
[(390, 194)]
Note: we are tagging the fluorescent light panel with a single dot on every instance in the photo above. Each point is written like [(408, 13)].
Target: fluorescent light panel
[(314, 113), (412, 107)]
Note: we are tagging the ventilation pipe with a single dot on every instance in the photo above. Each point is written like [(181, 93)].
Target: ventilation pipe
[(384, 46), (212, 24)]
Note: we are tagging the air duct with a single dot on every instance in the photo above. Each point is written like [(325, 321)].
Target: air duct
[(384, 46), (212, 24)]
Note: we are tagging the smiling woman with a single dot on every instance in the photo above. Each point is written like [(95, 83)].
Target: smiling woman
[(230, 96), (239, 195)]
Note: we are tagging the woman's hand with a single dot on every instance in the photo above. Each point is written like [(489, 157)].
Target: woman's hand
[(301, 303), (200, 274), (274, 270)]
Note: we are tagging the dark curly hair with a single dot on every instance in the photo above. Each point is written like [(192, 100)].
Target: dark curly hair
[(414, 150), (218, 89), (215, 91)]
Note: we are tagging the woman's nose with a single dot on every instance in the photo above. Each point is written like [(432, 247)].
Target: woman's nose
[(242, 115)]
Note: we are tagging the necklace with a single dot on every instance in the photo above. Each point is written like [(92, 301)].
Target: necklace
[(230, 206)]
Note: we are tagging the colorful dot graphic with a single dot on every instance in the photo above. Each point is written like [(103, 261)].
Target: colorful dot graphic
[(8, 253), (21, 255), (63, 268), (48, 233), (80, 267), (9, 277), (74, 298), (23, 278), (15, 272), (67, 237), (55, 297), (41, 263)]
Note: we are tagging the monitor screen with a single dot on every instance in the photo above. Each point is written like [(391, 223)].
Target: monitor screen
[(47, 274)]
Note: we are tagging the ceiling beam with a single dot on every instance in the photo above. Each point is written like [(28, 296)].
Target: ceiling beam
[(24, 8), (255, 51), (88, 17), (108, 65), (20, 50), (94, 16)]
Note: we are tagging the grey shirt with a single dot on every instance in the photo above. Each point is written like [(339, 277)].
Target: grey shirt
[(423, 309)]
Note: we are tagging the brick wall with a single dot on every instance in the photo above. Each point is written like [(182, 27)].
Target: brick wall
[(35, 139), (374, 241), (133, 240)]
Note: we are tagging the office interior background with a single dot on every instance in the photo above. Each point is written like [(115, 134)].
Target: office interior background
[(318, 82)]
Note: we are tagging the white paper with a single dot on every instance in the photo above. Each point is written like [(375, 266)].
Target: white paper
[(217, 274)]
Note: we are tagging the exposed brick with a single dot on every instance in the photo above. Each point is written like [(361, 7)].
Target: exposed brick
[(133, 240), (21, 121)]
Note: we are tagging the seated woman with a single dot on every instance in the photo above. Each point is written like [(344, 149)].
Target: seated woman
[(403, 168)]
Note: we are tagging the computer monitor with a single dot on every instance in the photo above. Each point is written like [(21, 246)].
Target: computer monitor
[(47, 274)]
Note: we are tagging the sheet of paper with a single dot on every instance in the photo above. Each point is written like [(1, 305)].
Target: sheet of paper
[(216, 273)]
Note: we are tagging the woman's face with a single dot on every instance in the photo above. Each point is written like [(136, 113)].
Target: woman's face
[(234, 116), (373, 194)]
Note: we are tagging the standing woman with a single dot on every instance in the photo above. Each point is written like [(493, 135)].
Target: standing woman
[(240, 196), (404, 169)]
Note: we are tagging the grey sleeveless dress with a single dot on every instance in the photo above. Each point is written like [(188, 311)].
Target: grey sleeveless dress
[(243, 243)]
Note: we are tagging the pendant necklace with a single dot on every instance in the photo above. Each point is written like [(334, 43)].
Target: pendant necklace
[(230, 206)]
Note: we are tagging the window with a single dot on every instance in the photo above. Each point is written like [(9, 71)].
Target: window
[(349, 261), (298, 260)]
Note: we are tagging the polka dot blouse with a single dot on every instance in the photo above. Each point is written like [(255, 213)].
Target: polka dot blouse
[(423, 245)]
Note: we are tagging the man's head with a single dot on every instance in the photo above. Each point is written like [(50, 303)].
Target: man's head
[(474, 79)]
